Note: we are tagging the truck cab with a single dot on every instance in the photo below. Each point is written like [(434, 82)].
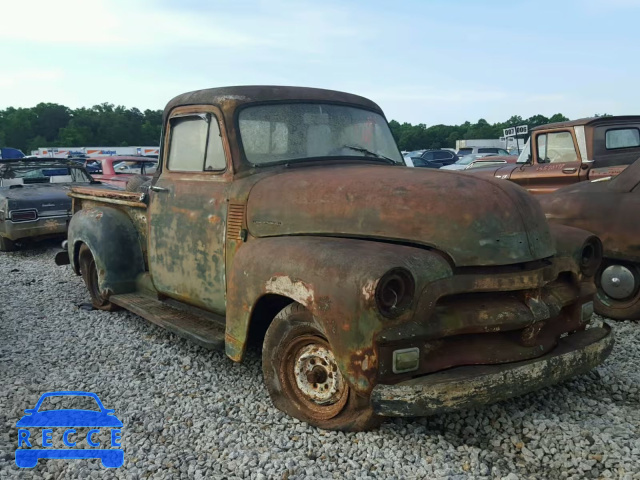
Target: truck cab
[(565, 153), (285, 217)]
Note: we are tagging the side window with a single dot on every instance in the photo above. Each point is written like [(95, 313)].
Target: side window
[(556, 147), (192, 138), (622, 138), (441, 155), (428, 156)]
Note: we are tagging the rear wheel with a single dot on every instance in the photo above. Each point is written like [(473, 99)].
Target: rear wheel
[(7, 245), (89, 273), (618, 294), (303, 378)]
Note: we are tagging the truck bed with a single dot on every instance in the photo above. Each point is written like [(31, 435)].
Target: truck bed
[(106, 195)]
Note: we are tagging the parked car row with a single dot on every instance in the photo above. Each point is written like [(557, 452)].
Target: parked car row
[(34, 200), (285, 216)]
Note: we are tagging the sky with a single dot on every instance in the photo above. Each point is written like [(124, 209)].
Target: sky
[(422, 61)]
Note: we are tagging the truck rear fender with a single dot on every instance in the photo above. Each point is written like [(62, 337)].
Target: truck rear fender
[(335, 279), (114, 242)]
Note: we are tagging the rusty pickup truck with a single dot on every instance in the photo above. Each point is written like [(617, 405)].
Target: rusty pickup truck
[(561, 154), (284, 217)]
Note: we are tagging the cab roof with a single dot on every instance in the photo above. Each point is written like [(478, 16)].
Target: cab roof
[(590, 121), (233, 97)]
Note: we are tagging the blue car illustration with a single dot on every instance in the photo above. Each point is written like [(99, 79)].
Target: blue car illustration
[(70, 418)]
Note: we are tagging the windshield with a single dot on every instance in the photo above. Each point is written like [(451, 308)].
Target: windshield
[(289, 132), (43, 174), (465, 151), (526, 153)]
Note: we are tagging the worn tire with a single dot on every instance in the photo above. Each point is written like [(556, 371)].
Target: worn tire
[(291, 340), (136, 183), (89, 273), (7, 245)]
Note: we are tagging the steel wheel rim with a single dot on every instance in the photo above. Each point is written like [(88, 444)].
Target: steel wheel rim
[(310, 375), (618, 282)]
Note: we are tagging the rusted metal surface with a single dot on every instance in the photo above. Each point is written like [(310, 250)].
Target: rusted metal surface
[(592, 158), (467, 387), (489, 284), (386, 203), (312, 370), (610, 209)]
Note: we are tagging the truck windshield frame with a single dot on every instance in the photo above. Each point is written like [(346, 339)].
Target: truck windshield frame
[(289, 132)]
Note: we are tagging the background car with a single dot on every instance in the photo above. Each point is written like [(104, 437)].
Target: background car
[(420, 162), (464, 162), (33, 198), (438, 157), (477, 150), (118, 170), (7, 153)]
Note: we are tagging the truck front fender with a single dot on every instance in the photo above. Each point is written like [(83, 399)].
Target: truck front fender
[(114, 242), (336, 280)]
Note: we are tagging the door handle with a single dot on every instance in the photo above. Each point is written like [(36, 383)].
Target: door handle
[(570, 170), (158, 189)]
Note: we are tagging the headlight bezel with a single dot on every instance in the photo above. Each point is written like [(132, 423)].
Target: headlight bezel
[(395, 292), (591, 255)]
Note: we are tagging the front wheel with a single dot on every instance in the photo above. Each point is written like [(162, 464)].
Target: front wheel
[(89, 273), (303, 378), (618, 295)]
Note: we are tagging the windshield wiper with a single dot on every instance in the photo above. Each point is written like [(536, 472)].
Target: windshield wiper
[(364, 150)]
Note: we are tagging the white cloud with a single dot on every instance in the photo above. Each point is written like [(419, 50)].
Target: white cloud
[(140, 25), (24, 78)]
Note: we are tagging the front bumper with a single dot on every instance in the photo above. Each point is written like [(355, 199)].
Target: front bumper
[(472, 386), (42, 227)]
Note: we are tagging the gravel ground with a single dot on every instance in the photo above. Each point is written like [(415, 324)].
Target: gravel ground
[(192, 413)]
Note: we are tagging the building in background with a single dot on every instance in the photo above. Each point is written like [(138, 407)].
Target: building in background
[(66, 152)]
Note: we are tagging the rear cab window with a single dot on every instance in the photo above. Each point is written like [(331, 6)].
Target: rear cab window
[(622, 138)]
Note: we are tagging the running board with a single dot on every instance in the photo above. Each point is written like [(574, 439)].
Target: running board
[(207, 333)]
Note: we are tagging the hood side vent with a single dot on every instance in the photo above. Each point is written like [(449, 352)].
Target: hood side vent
[(235, 220)]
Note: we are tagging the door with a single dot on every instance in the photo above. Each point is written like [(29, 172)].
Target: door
[(555, 164), (188, 210)]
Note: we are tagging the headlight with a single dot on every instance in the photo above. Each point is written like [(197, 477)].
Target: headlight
[(395, 291), (591, 256)]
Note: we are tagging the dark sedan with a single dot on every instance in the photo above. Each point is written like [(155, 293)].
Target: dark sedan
[(439, 158), (33, 198)]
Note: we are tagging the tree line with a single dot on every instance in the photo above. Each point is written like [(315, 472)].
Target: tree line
[(415, 137), (51, 124)]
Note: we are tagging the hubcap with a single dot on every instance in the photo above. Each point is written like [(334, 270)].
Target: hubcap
[(618, 282), (317, 375)]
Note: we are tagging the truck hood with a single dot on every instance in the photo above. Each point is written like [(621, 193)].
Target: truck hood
[(476, 221)]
